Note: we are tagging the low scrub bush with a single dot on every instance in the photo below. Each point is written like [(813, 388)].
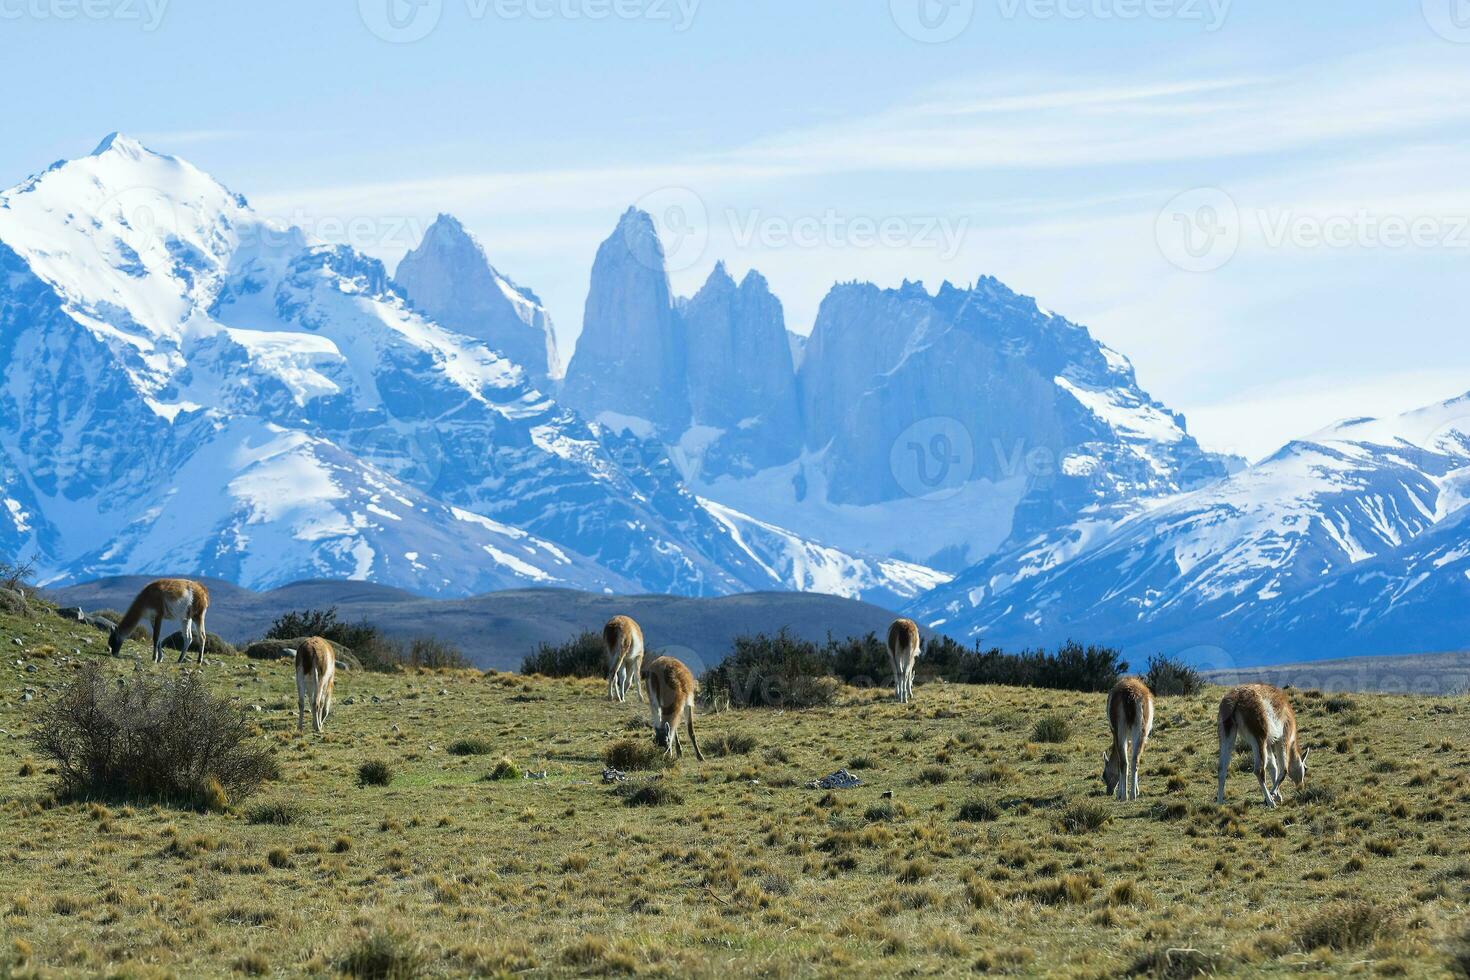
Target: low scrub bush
[(780, 671), (729, 743), (1346, 925), (383, 956), (504, 769), (648, 794), (1171, 677), (150, 737), (374, 772), (1085, 817), (977, 810), (627, 755), (1051, 730), (785, 671), (582, 656), (214, 645), (470, 746), (280, 813), (367, 644)]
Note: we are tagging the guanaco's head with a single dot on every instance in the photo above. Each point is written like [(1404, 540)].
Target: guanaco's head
[(1112, 771), (115, 641), (1296, 768)]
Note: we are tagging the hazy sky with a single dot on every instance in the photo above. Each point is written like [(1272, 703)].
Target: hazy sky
[(1264, 205)]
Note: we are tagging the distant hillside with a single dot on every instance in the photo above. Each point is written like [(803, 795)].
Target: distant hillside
[(1419, 673), (499, 628)]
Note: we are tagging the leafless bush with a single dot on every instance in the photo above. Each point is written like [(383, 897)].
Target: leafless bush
[(149, 737), (16, 574)]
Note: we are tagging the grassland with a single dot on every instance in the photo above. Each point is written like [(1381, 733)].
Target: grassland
[(996, 852)]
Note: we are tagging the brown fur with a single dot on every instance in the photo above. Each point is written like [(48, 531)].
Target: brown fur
[(623, 640), (1129, 701), (671, 690), (153, 603), (316, 663), (903, 649), (903, 635), (1247, 709)]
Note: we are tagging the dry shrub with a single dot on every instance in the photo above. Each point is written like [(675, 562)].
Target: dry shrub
[(164, 738), (1347, 925), (630, 756), (383, 956)]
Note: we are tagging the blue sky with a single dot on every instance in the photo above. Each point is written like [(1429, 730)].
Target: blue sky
[(1262, 204)]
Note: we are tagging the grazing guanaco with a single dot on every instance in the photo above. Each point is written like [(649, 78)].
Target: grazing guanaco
[(903, 650), (1261, 714), (316, 673), (1131, 717), (624, 642), (177, 599), (671, 689)]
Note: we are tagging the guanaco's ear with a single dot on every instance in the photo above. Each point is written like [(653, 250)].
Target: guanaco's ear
[(1106, 757)]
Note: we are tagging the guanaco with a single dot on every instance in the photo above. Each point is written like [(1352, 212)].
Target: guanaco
[(903, 650), (1261, 714), (1131, 717), (177, 599), (624, 642), (316, 673), (671, 689)]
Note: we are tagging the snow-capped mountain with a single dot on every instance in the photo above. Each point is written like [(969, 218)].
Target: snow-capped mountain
[(449, 278), (185, 386), (1352, 540), (927, 428)]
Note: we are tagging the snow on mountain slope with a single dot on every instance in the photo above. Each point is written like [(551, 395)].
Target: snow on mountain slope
[(449, 278), (293, 507), (1243, 564), (146, 313), (810, 567)]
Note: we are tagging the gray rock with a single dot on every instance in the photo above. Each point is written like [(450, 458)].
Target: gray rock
[(841, 779), (72, 614), (611, 775), (630, 330)]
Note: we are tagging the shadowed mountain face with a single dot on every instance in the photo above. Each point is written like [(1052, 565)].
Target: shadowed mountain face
[(630, 358), (498, 630), (450, 279)]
